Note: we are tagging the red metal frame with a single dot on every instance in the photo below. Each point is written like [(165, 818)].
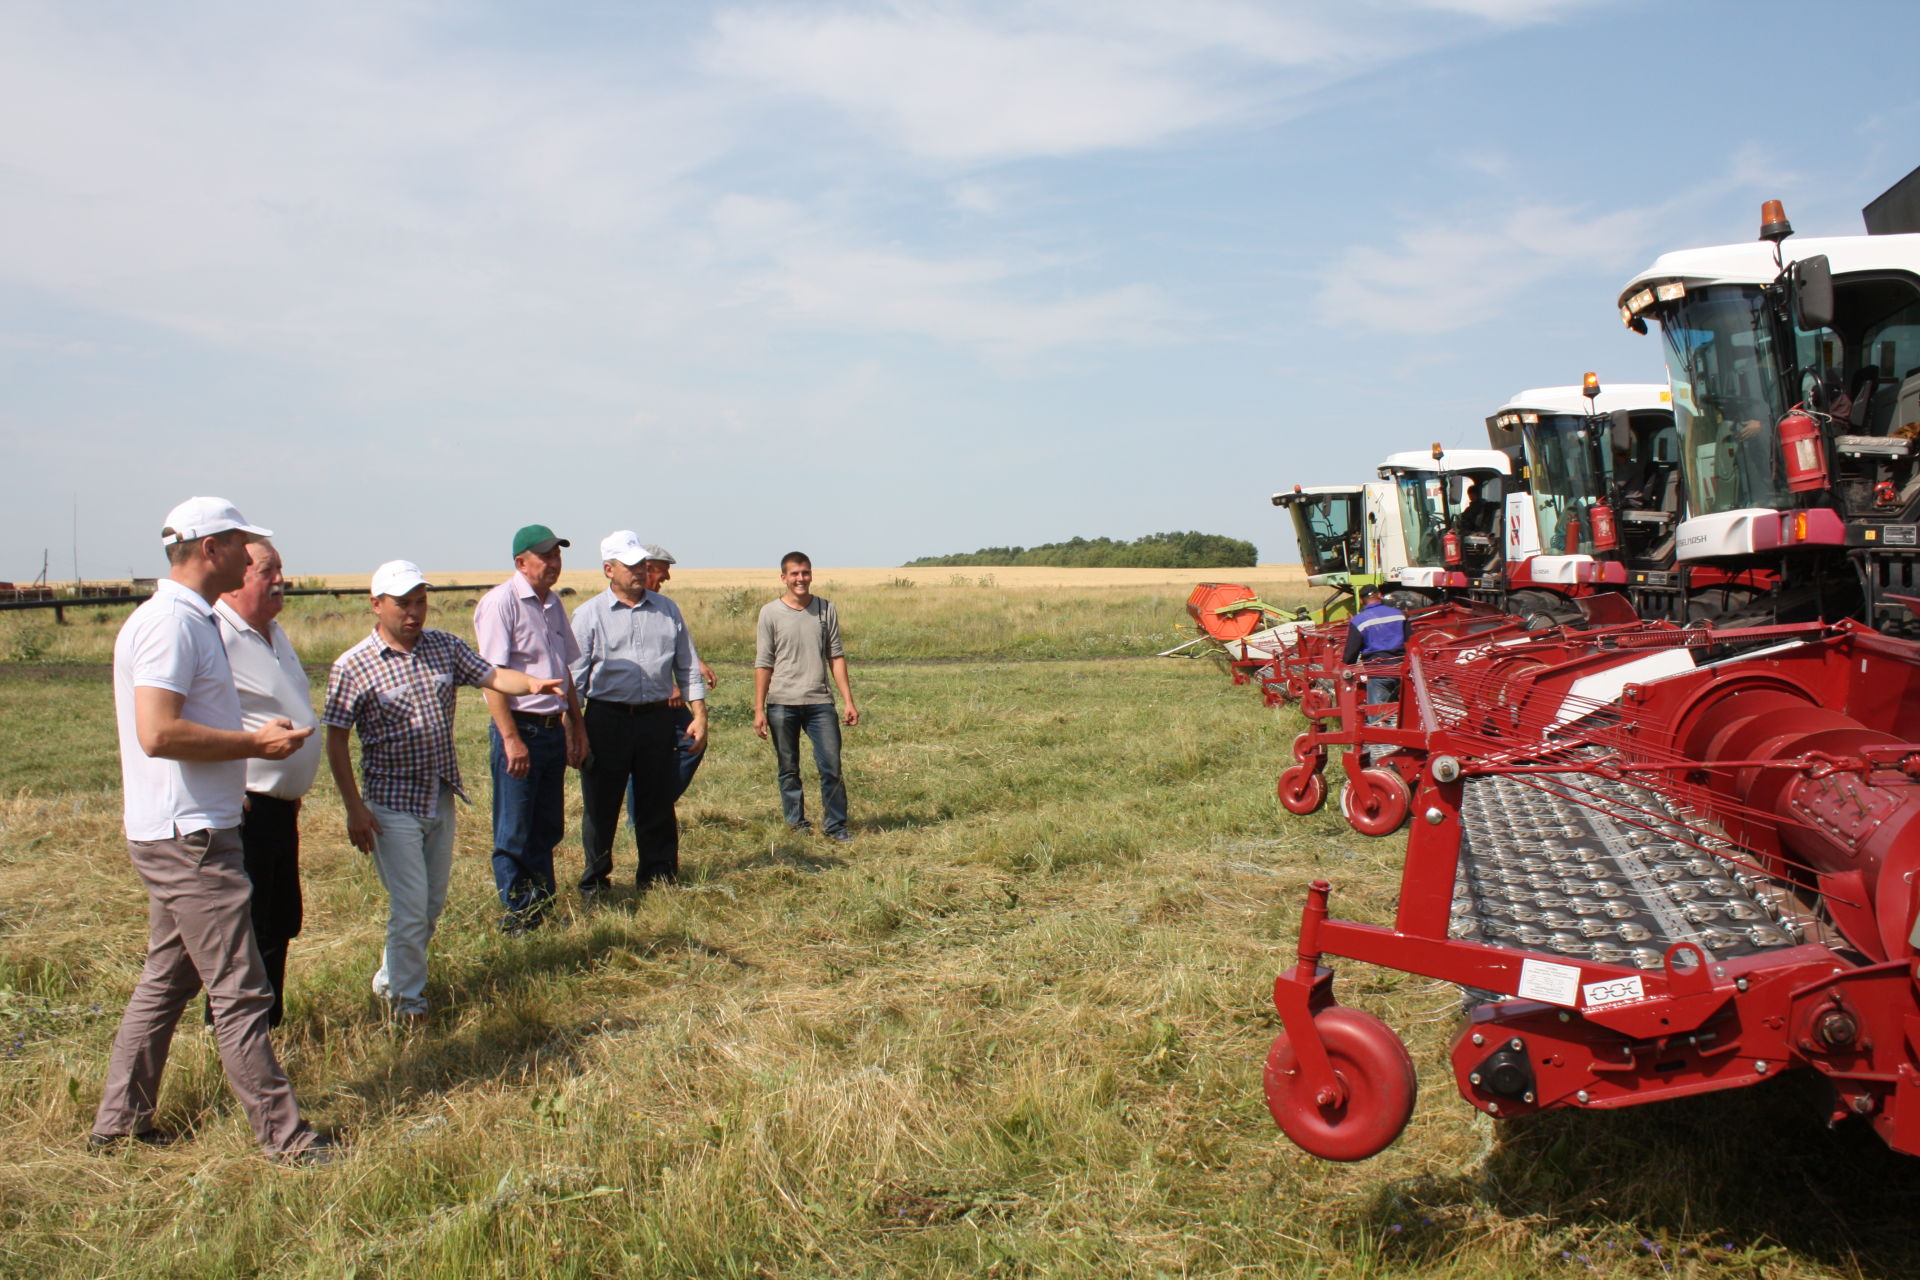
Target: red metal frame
[(1796, 741)]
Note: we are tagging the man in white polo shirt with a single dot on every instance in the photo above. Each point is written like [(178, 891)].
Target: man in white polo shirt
[(272, 686), (182, 753)]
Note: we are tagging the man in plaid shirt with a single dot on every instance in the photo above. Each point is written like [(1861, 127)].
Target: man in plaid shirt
[(397, 688)]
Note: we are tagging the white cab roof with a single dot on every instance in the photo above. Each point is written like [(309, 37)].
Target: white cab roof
[(1451, 460), (1752, 262), (1314, 490), (1625, 395)]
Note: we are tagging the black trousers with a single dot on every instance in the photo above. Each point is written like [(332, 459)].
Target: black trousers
[(638, 744), (270, 848)]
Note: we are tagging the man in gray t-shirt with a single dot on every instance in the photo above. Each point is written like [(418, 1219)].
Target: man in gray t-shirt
[(796, 648)]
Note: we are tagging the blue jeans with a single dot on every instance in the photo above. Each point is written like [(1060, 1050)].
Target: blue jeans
[(529, 817), (1383, 689), (820, 721), (414, 857)]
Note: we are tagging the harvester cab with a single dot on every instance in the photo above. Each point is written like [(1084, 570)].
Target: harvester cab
[(1795, 369), (1601, 488), (1340, 538), (1448, 504)]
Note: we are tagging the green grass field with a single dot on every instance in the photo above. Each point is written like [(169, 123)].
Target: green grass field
[(1016, 1028)]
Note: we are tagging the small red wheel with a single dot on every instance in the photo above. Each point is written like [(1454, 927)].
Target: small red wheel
[(1303, 789), (1303, 748), (1373, 1068), (1375, 802)]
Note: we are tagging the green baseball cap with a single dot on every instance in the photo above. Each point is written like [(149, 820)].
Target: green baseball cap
[(537, 537)]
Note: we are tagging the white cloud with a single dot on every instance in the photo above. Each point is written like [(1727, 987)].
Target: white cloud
[(1440, 278), (975, 197), (981, 83), (1447, 275), (1506, 12)]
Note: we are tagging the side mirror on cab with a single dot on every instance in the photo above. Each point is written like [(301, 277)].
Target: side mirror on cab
[(1813, 293)]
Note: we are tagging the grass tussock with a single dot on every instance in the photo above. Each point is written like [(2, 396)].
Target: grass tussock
[(1016, 1028)]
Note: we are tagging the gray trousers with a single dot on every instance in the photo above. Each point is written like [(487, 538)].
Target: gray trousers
[(199, 934)]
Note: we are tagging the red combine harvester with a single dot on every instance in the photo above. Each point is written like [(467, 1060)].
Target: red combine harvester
[(1667, 860)]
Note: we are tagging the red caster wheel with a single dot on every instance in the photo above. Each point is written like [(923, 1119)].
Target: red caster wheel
[(1303, 789), (1375, 802), (1304, 749), (1375, 1074)]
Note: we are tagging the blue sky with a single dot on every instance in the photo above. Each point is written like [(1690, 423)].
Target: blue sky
[(874, 280)]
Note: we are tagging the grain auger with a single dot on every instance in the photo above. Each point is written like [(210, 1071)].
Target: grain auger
[(1662, 861)]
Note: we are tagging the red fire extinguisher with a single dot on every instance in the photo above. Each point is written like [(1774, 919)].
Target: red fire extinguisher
[(1605, 537), (1804, 452), (1572, 534), (1451, 545)]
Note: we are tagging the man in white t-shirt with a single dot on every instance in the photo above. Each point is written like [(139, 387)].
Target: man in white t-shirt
[(272, 686), (182, 763)]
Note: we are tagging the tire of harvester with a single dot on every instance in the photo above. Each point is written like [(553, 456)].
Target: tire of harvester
[(1302, 789), (1374, 1067), (1375, 802)]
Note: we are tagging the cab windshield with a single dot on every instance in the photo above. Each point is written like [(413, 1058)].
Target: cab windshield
[(1723, 361), (1423, 515), (1328, 527), (1567, 459)]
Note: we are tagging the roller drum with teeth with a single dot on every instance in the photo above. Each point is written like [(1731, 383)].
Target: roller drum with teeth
[(1606, 870)]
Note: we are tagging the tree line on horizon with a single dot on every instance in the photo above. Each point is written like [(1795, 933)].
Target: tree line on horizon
[(1189, 550)]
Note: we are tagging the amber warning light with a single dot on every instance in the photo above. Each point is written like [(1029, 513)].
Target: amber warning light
[(1773, 221), (1590, 386)]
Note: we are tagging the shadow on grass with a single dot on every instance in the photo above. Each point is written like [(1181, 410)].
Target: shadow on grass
[(511, 1035), (904, 820), (1738, 1177), (797, 852)]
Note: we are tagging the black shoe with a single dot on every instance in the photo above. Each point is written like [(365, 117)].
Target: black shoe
[(802, 827), (318, 1154), (146, 1138), (513, 925), (841, 836)]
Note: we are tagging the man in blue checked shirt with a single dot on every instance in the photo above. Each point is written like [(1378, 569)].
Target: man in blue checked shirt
[(634, 654), (397, 688)]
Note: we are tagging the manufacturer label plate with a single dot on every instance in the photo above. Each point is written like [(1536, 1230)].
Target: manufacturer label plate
[(1553, 983), (1613, 992)]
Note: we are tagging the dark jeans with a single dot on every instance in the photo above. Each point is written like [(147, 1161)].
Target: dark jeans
[(1383, 689), (820, 721), (686, 759), (270, 846), (529, 817), (631, 757)]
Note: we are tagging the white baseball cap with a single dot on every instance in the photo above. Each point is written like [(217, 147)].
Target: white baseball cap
[(622, 545), (654, 551), (198, 518), (396, 578)]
